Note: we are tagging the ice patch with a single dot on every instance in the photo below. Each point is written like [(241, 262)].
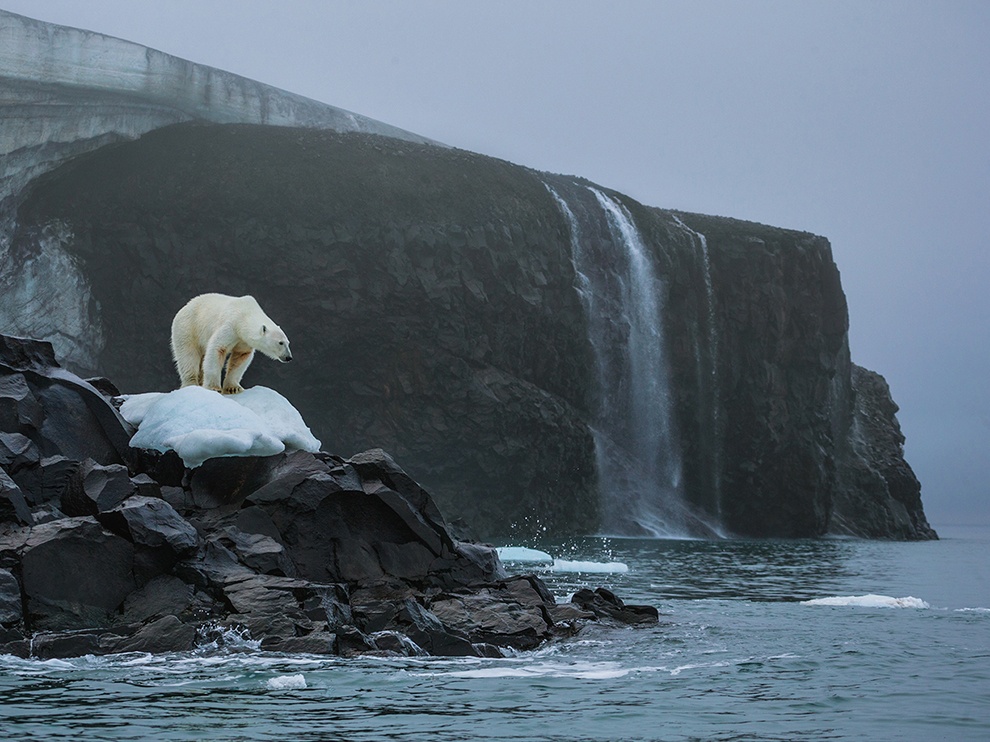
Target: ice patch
[(200, 424), (582, 670), (869, 601), (522, 554), (562, 565), (286, 682)]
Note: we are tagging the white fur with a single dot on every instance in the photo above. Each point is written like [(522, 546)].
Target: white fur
[(214, 331)]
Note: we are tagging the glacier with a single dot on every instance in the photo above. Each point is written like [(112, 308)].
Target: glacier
[(64, 92)]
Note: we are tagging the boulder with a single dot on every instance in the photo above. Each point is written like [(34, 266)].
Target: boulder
[(165, 634), (605, 604), (13, 506), (161, 596), (96, 489), (47, 481), (512, 613), (153, 523), (75, 573), (11, 610)]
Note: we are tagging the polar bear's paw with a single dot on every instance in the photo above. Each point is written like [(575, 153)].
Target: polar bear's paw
[(235, 389)]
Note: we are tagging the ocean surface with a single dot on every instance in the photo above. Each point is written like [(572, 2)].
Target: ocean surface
[(790, 640)]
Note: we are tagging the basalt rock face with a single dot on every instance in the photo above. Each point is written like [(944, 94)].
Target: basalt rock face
[(878, 494), (307, 553), (777, 399), (435, 309)]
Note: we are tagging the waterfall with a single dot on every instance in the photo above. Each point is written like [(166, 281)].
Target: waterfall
[(637, 447), (712, 372)]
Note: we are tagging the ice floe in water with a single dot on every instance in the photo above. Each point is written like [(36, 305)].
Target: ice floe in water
[(522, 554), (869, 601), (563, 565), (200, 424), (286, 682)]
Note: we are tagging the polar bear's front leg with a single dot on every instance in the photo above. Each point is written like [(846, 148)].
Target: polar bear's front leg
[(213, 361), (236, 367)]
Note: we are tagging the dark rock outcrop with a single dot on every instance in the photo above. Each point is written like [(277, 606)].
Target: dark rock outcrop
[(303, 552), (878, 495)]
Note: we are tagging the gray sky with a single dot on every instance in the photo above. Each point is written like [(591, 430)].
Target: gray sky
[(866, 122)]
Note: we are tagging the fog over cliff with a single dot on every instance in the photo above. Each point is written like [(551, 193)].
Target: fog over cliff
[(859, 123)]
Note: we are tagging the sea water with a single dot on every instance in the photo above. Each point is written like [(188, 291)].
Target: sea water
[(794, 640)]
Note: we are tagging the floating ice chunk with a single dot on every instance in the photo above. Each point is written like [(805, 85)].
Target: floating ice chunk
[(562, 565), (286, 682), (869, 601), (522, 554), (200, 424)]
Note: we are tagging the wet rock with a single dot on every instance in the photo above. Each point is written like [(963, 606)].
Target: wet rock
[(152, 523), (258, 552), (10, 598), (20, 410), (429, 632), (75, 573), (606, 604), (58, 411), (228, 480), (165, 634), (506, 615), (17, 451), (96, 489), (48, 646), (335, 532), (319, 642), (212, 567), (13, 506), (351, 641), (164, 595), (47, 481)]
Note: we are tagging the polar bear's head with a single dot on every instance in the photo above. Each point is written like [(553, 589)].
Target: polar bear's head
[(274, 344)]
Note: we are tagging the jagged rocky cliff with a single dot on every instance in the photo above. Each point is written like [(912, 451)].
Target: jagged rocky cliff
[(106, 548), (542, 352)]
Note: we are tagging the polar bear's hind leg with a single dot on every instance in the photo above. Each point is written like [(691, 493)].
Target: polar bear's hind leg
[(188, 364)]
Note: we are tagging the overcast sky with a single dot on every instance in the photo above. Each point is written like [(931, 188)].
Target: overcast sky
[(866, 122)]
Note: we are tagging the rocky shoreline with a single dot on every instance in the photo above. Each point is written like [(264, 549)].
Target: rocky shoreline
[(105, 548)]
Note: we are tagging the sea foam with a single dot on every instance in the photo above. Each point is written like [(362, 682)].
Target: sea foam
[(286, 682)]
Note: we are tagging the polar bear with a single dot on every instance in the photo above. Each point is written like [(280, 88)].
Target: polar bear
[(213, 331)]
